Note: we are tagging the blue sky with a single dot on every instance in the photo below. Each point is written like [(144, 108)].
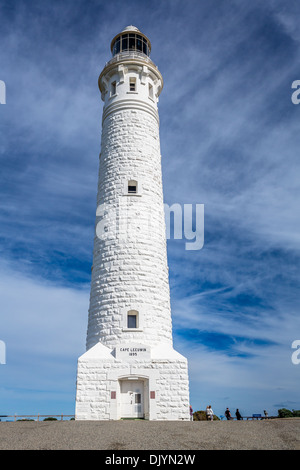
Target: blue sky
[(229, 140)]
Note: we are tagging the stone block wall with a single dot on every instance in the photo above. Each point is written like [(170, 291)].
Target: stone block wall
[(130, 269), (97, 377)]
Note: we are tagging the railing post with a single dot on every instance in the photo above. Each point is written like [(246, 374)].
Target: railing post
[(38, 416)]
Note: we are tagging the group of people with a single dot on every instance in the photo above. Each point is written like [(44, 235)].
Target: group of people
[(237, 414), (210, 414)]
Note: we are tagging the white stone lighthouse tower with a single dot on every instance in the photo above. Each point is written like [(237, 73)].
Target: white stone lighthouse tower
[(130, 369)]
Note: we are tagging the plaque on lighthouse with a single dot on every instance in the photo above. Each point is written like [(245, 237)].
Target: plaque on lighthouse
[(130, 368)]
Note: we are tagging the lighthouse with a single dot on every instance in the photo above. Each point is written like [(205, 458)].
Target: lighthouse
[(130, 368)]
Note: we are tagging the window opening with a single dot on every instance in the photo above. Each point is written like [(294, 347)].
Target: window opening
[(132, 84), (132, 187), (113, 88), (132, 319)]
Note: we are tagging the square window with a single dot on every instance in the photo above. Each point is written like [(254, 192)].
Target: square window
[(132, 187)]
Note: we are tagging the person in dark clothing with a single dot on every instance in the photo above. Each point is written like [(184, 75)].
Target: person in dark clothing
[(238, 414), (227, 414)]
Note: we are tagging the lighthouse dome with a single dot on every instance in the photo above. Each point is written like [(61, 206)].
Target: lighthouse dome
[(130, 28)]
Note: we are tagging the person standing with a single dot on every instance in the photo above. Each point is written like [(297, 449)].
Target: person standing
[(238, 415), (210, 413), (191, 413), (227, 414)]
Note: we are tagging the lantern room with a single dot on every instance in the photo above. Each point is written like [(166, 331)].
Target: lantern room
[(131, 40)]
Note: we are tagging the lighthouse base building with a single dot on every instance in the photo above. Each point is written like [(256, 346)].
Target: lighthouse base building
[(132, 381), (130, 368)]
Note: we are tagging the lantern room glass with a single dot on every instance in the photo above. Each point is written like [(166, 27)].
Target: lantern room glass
[(131, 42)]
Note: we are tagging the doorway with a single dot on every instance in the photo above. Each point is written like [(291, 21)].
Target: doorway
[(132, 398)]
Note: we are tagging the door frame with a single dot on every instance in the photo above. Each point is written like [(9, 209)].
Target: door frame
[(145, 392)]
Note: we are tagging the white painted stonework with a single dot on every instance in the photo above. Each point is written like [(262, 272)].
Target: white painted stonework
[(130, 369)]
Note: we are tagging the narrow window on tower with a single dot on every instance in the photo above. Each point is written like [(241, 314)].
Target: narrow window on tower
[(132, 319), (132, 187), (132, 84), (113, 89), (150, 91)]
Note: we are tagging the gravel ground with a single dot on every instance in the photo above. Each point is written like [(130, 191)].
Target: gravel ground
[(277, 434)]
